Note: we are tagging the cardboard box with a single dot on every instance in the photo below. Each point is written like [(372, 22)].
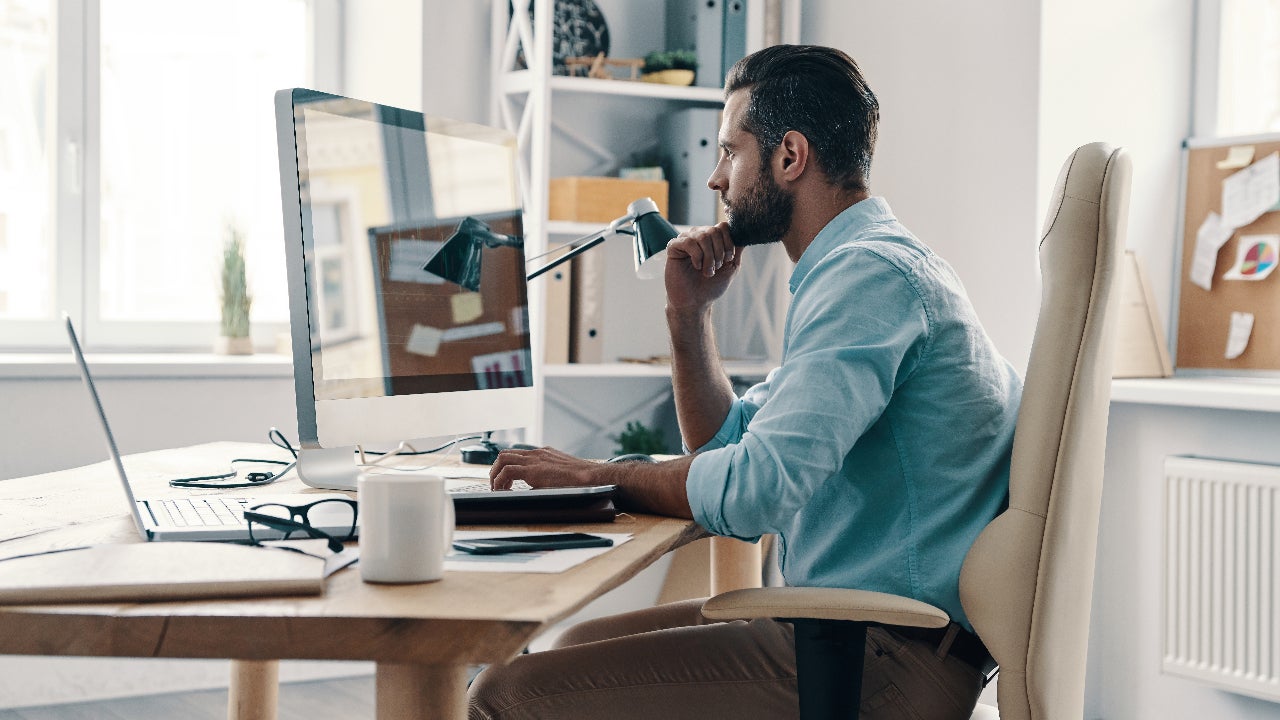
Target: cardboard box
[(601, 199)]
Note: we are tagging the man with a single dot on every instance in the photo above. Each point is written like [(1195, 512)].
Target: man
[(877, 451)]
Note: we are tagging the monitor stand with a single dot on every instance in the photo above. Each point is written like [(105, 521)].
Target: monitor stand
[(328, 468), (486, 451)]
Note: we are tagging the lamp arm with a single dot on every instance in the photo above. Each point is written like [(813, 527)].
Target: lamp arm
[(569, 255)]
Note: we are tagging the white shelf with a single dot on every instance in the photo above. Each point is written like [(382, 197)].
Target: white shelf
[(521, 81), (1250, 394), (565, 228), (644, 370)]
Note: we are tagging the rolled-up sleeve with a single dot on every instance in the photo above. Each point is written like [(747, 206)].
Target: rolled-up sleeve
[(855, 330)]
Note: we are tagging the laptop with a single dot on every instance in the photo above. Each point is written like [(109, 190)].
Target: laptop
[(196, 517)]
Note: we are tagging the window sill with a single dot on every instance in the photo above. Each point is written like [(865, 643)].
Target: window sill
[(1226, 393), (51, 366)]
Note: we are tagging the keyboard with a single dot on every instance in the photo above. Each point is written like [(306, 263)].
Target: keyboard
[(203, 511), (484, 487)]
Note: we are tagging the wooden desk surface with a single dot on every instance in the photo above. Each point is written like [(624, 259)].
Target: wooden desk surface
[(465, 618)]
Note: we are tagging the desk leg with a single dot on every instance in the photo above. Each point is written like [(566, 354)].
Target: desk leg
[(421, 692), (735, 565), (255, 690)]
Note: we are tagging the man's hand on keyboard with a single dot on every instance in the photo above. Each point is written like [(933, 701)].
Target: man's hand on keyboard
[(544, 467)]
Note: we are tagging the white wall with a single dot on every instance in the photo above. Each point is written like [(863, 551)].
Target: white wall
[(957, 155), (1121, 73)]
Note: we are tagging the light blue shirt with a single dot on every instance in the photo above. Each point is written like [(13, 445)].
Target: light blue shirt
[(879, 449)]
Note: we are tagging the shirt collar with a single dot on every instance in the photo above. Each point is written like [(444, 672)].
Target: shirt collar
[(853, 218)]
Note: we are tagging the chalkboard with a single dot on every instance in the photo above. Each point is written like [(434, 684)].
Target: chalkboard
[(1205, 317)]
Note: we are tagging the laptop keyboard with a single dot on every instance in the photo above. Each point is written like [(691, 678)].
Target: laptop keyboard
[(204, 511), (484, 487)]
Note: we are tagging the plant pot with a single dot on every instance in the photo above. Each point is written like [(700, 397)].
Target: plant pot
[(669, 77), (224, 345)]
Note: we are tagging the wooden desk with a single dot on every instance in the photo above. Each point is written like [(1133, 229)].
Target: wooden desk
[(421, 636)]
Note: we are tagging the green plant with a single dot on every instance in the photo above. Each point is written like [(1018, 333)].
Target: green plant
[(659, 60), (639, 439), (235, 286)]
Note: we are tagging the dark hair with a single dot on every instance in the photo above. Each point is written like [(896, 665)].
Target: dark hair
[(818, 92)]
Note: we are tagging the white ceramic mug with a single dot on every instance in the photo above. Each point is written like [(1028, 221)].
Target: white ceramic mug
[(406, 527)]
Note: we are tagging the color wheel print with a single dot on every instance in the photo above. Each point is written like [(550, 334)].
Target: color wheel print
[(1256, 257)]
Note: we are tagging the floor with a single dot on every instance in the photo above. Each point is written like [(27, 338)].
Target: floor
[(342, 697)]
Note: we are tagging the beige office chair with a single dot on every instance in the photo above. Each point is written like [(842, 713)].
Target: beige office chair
[(1027, 581)]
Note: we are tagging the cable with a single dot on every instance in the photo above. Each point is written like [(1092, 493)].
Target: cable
[(277, 438), (252, 479)]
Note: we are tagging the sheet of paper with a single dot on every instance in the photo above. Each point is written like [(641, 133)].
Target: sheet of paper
[(546, 561), (1250, 192), (1238, 336), (466, 332), (1209, 240), (466, 307), (407, 258), (424, 340), (1237, 157), (1256, 257)]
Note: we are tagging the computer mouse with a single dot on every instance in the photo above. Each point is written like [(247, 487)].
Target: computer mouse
[(632, 457)]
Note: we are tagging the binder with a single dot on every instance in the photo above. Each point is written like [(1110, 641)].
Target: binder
[(698, 25), (689, 145), (586, 343), (734, 44)]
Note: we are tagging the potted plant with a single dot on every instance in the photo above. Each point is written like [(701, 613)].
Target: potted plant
[(234, 336), (639, 439), (672, 67)]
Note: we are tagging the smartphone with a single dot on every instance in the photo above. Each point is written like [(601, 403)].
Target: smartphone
[(529, 543)]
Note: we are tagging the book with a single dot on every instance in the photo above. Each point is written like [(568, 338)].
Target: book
[(133, 572)]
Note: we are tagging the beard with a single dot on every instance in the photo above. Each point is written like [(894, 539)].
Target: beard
[(763, 215)]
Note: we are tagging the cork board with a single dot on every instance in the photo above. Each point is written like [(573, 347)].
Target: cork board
[(1204, 317), (499, 311)]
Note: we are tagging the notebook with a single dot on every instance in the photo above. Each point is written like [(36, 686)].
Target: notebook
[(196, 517)]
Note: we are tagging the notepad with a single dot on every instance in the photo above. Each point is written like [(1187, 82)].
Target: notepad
[(136, 572)]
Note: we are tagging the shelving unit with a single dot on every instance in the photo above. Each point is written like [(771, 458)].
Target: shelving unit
[(526, 97)]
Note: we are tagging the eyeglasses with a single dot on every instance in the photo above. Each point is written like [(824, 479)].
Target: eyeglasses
[(274, 521)]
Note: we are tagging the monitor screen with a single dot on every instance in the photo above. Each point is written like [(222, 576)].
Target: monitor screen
[(384, 349)]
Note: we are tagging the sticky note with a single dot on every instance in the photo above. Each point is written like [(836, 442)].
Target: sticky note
[(424, 340), (1237, 157), (467, 307), (1238, 335), (466, 332)]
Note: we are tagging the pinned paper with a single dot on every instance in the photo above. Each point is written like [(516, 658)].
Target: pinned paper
[(466, 332), (1237, 157), (1250, 192), (407, 258), (1255, 257), (502, 369), (1209, 240), (424, 340), (467, 307), (1238, 336)]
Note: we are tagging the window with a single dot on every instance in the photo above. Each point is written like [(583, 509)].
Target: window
[(133, 134), (1238, 79)]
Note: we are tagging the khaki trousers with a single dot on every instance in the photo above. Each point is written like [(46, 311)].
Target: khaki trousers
[(670, 663)]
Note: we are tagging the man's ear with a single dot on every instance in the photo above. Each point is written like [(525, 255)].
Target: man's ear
[(791, 157)]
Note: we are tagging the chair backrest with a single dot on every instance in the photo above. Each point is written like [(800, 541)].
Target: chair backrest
[(1027, 582)]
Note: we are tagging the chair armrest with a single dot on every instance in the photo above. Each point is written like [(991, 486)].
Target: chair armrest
[(823, 604)]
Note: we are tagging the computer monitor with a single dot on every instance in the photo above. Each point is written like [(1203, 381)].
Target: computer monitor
[(384, 350)]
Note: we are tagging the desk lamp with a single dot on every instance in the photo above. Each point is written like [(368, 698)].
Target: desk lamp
[(458, 260)]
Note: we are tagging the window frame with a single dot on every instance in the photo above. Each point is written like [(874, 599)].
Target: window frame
[(75, 189)]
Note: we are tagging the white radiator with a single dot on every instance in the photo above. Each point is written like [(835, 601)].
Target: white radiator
[(1222, 574)]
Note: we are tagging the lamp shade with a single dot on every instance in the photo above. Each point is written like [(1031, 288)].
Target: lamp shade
[(652, 233), (458, 260)]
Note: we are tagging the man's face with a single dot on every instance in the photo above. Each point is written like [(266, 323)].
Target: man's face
[(758, 209)]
